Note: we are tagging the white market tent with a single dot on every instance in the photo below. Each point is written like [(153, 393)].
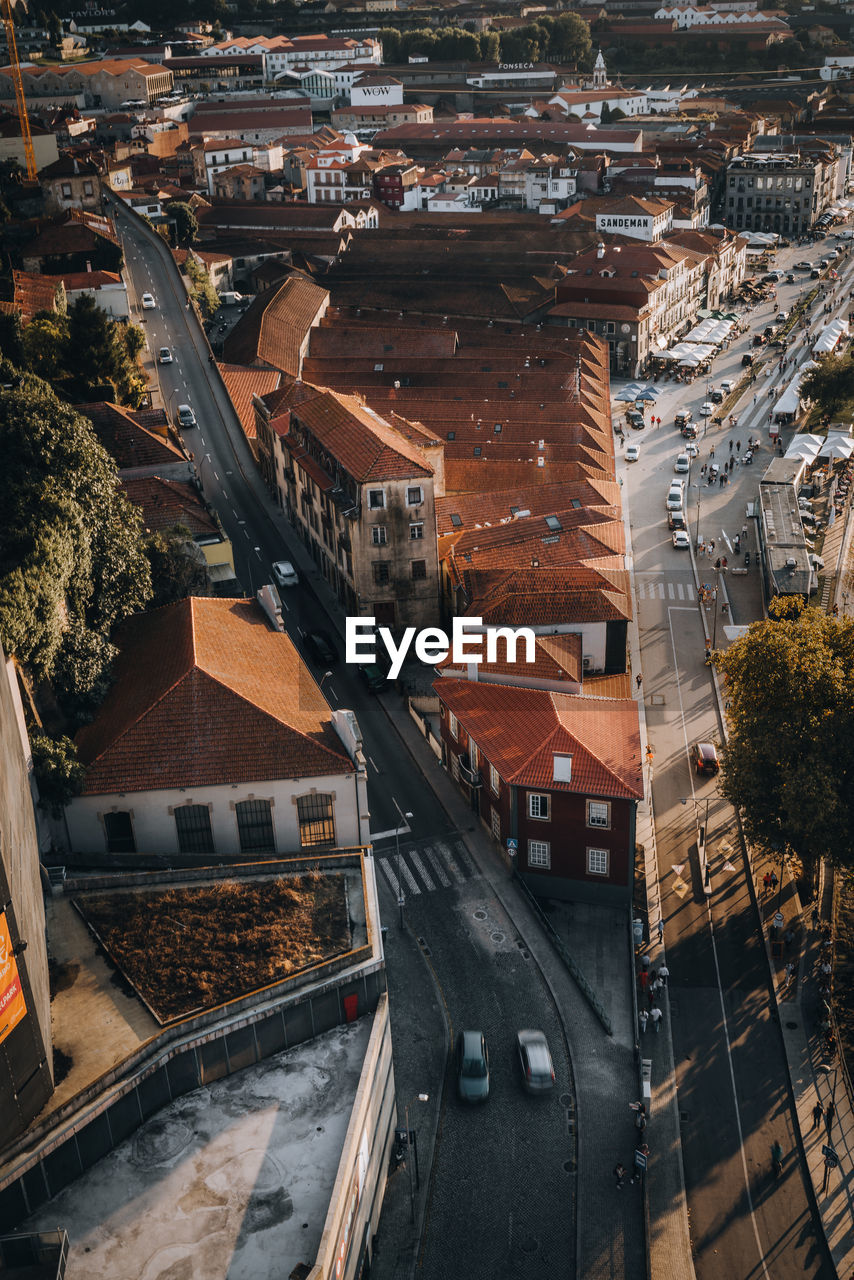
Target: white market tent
[(830, 337), (838, 444), (805, 446), (790, 400)]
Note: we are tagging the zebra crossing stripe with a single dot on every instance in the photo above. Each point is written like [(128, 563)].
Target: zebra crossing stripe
[(437, 867), (414, 886), (670, 591), (463, 859), (422, 870), (451, 864)]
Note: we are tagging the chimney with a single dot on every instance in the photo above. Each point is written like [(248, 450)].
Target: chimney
[(561, 767), (600, 250)]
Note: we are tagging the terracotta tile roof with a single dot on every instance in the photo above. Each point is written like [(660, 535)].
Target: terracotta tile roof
[(549, 597), (276, 326), (556, 658), (166, 503), (77, 280), (32, 293), (616, 686), (519, 730), (129, 440), (206, 693), (465, 510), (365, 445), (242, 382)]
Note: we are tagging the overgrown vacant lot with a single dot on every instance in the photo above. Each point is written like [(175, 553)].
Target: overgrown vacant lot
[(187, 949)]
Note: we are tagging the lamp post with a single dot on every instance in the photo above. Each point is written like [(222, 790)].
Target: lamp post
[(412, 1145), (401, 899), (697, 530)]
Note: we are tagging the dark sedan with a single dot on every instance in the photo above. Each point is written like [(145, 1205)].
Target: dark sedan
[(321, 648)]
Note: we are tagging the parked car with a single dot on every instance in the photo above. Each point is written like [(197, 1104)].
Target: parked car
[(682, 416), (148, 303), (164, 356), (707, 409), (635, 420), (632, 452), (692, 449), (690, 431), (321, 648), (782, 317), (803, 266), (285, 574), (705, 758), (815, 274), (472, 1067), (747, 359), (682, 463), (186, 417), (790, 277), (676, 520), (681, 541), (727, 385), (535, 1060), (374, 676), (716, 396)]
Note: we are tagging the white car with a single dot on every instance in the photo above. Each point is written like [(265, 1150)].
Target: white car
[(285, 573), (164, 356), (727, 385), (148, 303), (707, 409), (682, 463), (186, 417), (691, 448), (632, 452), (782, 317), (681, 541)]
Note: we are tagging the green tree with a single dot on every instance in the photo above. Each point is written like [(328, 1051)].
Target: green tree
[(453, 44), (59, 773), (70, 555), (45, 344), (203, 292), (569, 41), (831, 384), (178, 567), (186, 222), (11, 339), (788, 764), (490, 46), (389, 37)]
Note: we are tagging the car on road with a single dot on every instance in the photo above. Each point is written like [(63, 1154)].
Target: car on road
[(285, 574), (632, 452), (690, 430), (186, 417), (716, 396), (781, 317), (321, 648), (815, 274), (803, 266), (692, 449), (676, 520), (635, 420), (682, 463), (727, 385), (681, 541), (148, 303), (705, 758), (374, 677), (674, 500), (682, 416), (535, 1061), (747, 359), (164, 356), (790, 277), (472, 1067), (825, 262), (706, 409)]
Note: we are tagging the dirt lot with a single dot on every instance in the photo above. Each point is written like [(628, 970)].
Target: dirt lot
[(190, 949)]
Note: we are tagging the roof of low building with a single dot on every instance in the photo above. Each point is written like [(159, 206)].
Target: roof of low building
[(276, 325)]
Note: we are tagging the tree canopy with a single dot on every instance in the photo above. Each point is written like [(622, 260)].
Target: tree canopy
[(186, 222), (831, 384), (788, 764), (71, 560)]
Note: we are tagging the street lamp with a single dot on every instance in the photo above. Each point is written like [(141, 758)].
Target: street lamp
[(401, 900)]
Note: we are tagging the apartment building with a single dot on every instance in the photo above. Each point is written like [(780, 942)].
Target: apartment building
[(785, 193)]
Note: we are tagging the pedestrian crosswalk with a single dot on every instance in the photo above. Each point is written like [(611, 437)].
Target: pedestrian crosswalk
[(665, 589), (428, 867)]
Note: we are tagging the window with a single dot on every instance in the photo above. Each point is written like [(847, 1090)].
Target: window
[(316, 815), (598, 813), (494, 780), (416, 532), (376, 499), (193, 824), (66, 190), (474, 755), (597, 862), (87, 188), (419, 570), (255, 826), (414, 495), (495, 822), (539, 854), (378, 535), (380, 572), (118, 829), (453, 725), (538, 805)]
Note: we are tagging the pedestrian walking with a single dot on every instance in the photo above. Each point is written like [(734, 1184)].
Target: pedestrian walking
[(755, 397), (730, 446), (722, 479), (816, 918), (620, 1175), (644, 978), (640, 1120), (766, 883), (638, 679), (724, 563), (650, 1001), (817, 1113), (712, 452), (738, 446), (731, 463), (744, 531), (711, 545), (718, 563), (660, 931), (774, 881), (663, 975), (643, 1019), (830, 1112), (790, 973), (622, 439), (788, 938), (656, 1016)]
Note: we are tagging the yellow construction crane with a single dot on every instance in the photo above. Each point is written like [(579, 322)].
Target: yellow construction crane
[(17, 80)]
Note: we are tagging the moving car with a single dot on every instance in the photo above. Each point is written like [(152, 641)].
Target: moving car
[(148, 303), (681, 541), (815, 274), (682, 463), (781, 317), (790, 277), (472, 1067), (803, 266), (705, 758), (186, 417), (727, 385), (692, 449), (747, 359), (682, 416), (164, 356), (707, 409), (632, 453), (535, 1060), (689, 430), (321, 648), (374, 676), (285, 573), (716, 396)]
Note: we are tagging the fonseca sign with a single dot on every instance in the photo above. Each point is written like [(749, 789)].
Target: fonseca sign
[(467, 642)]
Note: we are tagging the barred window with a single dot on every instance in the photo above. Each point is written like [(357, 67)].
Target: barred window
[(255, 826), (495, 822), (419, 569), (118, 828), (316, 815), (193, 824)]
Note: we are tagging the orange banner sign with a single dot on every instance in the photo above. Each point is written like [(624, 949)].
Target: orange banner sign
[(12, 1005)]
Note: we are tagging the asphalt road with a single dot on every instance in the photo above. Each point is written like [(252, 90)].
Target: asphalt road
[(731, 1072)]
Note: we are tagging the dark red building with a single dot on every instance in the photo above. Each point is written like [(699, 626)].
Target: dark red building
[(559, 774)]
